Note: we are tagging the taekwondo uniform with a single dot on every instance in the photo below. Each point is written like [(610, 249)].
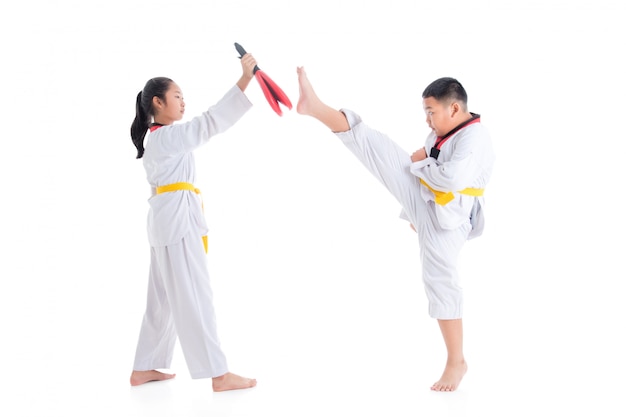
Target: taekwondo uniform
[(441, 197), (180, 299)]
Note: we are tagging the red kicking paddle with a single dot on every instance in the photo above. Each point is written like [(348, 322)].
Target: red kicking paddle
[(273, 93)]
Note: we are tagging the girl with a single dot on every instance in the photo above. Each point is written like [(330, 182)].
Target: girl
[(180, 299)]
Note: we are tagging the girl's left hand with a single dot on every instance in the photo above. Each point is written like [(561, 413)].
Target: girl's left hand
[(247, 65)]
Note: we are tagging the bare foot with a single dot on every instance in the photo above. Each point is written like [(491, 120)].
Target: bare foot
[(230, 381), (308, 99), (309, 104), (451, 378), (141, 377)]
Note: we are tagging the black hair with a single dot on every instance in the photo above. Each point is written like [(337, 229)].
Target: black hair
[(446, 89), (155, 87)]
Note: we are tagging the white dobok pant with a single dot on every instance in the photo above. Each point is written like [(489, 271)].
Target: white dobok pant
[(180, 303), (439, 248)]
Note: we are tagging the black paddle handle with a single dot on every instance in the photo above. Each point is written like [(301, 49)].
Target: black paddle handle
[(242, 52)]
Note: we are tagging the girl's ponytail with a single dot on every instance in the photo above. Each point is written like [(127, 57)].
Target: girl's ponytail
[(155, 87), (140, 126)]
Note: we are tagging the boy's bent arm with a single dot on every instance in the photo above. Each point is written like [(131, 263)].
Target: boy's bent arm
[(462, 169)]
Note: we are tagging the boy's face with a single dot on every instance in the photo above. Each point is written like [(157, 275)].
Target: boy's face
[(440, 117)]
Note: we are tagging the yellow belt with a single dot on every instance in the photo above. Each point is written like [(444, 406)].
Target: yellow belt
[(179, 186), (444, 197)]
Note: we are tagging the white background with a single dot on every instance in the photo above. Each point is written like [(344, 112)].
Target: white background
[(317, 283)]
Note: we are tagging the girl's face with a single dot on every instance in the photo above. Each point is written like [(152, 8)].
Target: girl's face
[(172, 109)]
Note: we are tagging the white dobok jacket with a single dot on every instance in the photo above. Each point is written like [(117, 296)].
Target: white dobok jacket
[(168, 159)]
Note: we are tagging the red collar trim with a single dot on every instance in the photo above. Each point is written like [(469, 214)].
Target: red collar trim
[(441, 139), (155, 126), (434, 151)]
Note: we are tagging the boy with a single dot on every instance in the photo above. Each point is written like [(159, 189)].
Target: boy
[(439, 187)]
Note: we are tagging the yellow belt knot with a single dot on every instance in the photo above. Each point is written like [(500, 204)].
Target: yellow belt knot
[(444, 197), (180, 186)]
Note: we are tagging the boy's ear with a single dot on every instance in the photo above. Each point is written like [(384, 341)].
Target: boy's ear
[(454, 108)]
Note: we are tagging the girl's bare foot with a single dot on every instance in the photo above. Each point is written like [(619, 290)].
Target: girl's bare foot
[(231, 381), (451, 378), (141, 377)]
